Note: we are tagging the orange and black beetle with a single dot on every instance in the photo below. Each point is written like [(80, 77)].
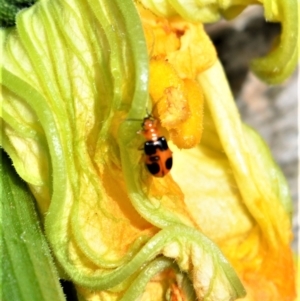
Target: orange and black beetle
[(158, 156)]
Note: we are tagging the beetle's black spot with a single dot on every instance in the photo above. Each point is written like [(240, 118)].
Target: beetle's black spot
[(163, 143), (149, 148), (153, 168), (169, 163)]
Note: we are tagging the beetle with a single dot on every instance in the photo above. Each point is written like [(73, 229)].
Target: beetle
[(158, 156)]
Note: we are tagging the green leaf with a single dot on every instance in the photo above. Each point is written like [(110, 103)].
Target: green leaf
[(28, 271)]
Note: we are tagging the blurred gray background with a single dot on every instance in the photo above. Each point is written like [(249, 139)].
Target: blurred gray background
[(271, 110)]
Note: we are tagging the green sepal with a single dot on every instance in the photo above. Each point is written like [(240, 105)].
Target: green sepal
[(281, 62), (28, 270), (9, 10)]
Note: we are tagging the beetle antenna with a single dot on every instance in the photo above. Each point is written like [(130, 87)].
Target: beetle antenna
[(148, 113)]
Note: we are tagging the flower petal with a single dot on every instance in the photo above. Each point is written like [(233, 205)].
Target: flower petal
[(274, 67), (281, 62)]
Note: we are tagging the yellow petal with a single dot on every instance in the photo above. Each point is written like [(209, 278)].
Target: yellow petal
[(188, 133), (177, 98)]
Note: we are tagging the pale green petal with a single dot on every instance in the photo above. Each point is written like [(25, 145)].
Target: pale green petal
[(281, 62), (265, 196), (73, 71), (204, 11)]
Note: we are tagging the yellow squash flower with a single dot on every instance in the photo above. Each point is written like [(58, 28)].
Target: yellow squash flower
[(76, 75)]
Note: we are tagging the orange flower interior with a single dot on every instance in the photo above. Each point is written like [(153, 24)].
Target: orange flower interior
[(175, 61), (178, 52)]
